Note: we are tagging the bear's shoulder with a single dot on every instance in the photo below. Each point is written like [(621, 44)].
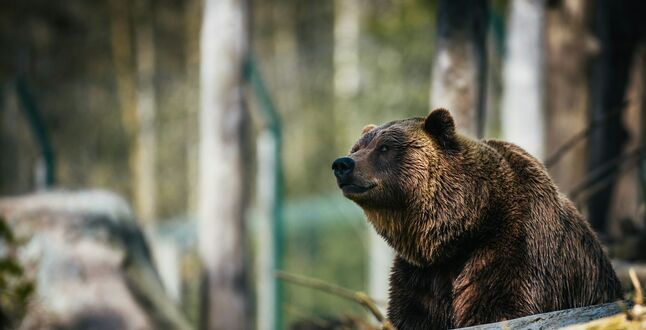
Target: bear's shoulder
[(526, 167)]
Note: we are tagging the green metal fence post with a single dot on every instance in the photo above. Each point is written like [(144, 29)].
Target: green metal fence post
[(272, 120), (37, 124)]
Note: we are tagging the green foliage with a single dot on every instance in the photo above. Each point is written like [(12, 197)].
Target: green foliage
[(15, 288), (396, 53), (324, 240), (294, 45), (295, 52)]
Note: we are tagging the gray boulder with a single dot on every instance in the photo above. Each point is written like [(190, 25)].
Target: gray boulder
[(90, 262)]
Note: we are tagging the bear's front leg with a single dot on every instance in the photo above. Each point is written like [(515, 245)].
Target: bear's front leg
[(487, 299), (420, 297), (409, 312)]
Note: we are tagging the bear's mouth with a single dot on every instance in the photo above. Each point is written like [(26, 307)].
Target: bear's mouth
[(351, 188)]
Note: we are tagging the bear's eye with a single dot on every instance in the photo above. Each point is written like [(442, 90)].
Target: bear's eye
[(383, 148)]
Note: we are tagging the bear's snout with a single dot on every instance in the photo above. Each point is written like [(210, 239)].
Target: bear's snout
[(342, 167)]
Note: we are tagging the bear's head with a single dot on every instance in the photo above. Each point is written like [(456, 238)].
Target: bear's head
[(410, 178)]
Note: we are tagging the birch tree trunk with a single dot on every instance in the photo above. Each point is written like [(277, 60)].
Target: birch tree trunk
[(522, 103), (267, 288), (347, 19), (380, 262), (347, 23), (459, 67), (221, 171)]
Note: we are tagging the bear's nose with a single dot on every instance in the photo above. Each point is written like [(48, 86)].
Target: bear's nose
[(342, 166)]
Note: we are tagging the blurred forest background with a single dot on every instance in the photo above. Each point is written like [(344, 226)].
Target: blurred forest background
[(217, 121)]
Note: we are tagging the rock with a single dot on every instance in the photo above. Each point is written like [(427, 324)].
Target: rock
[(89, 260)]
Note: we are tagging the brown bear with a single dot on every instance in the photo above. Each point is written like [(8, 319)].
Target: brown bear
[(481, 232)]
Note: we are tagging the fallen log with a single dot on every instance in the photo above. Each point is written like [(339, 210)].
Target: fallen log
[(617, 315), (558, 319)]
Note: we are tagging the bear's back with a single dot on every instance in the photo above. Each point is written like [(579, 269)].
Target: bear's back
[(569, 266), (540, 255)]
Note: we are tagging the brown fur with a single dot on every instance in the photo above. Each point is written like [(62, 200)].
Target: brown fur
[(481, 232)]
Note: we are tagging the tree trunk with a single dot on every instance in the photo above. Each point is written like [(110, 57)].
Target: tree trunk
[(145, 185), (380, 263), (122, 56), (268, 302), (569, 49), (221, 173), (617, 29), (347, 19), (136, 91), (459, 66), (574, 317), (347, 23), (192, 32), (625, 217), (522, 103)]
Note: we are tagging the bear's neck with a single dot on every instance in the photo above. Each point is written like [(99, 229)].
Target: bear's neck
[(448, 223), (419, 243)]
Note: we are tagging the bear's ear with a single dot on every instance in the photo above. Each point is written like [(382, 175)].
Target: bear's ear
[(368, 128), (439, 124)]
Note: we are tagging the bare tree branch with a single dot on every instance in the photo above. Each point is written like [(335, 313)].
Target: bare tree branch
[(569, 144), (598, 173), (356, 296)]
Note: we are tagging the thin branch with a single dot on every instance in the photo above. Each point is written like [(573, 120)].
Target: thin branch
[(356, 296), (602, 170), (639, 297), (637, 312), (581, 197), (569, 144), (301, 313)]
